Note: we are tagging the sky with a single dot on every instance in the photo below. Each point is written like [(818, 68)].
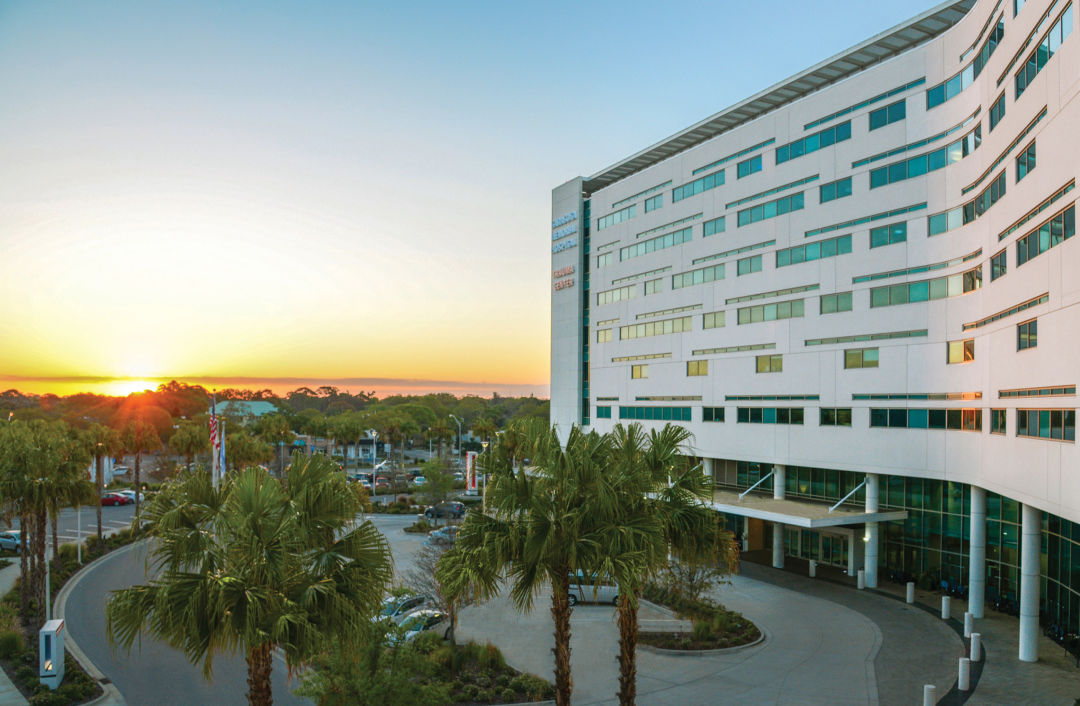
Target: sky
[(340, 192)]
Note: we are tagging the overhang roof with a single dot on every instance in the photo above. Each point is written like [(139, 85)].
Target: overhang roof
[(797, 513), (886, 45)]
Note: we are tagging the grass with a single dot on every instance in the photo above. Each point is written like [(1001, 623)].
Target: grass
[(18, 644), (714, 626)]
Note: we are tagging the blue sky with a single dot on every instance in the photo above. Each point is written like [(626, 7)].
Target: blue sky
[(357, 189)]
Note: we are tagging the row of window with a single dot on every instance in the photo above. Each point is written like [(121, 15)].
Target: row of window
[(814, 251), (888, 235), (835, 303), (928, 162), (1044, 52), (1032, 423), (771, 209), (862, 104), (892, 113), (653, 244), (681, 324), (793, 308), (616, 295), (925, 290), (714, 273), (654, 202), (1025, 162), (769, 363), (623, 214), (749, 265), (1052, 232), (942, 92), (812, 143), (748, 166), (834, 190), (713, 227), (904, 418), (697, 186)]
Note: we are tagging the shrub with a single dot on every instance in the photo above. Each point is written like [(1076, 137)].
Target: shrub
[(485, 696), (11, 644), (27, 675), (471, 691), (483, 681), (491, 658), (508, 696), (702, 630), (49, 698), (502, 681)]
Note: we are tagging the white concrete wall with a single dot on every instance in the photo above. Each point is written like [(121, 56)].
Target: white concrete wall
[(1043, 473)]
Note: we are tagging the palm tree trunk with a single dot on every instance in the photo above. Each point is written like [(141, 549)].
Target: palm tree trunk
[(259, 665), (560, 614), (53, 517), (99, 482), (39, 565), (24, 565), (628, 637)]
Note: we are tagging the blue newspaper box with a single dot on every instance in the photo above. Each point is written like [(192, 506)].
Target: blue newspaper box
[(51, 653)]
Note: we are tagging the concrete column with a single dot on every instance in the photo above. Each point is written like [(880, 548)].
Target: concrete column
[(976, 647), (963, 676), (777, 545), (929, 695), (1030, 532), (778, 479), (709, 467), (977, 553), (746, 534), (871, 563)]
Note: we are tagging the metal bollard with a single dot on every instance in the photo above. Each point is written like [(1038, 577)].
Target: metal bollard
[(969, 622), (976, 647), (945, 607), (929, 695), (963, 679), (861, 580), (910, 598), (813, 569)]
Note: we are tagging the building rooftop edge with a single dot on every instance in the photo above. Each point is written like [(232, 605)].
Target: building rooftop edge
[(887, 44)]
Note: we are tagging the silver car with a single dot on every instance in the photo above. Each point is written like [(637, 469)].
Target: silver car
[(9, 541), (586, 588)]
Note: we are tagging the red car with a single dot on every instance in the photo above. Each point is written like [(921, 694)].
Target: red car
[(116, 499)]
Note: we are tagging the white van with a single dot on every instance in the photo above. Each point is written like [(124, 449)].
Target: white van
[(584, 588)]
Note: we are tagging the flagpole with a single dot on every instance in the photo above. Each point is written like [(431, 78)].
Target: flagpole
[(214, 460)]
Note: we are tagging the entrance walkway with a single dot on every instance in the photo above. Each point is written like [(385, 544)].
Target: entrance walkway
[(1004, 679), (826, 644)]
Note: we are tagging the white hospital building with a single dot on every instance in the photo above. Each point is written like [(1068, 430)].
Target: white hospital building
[(853, 288)]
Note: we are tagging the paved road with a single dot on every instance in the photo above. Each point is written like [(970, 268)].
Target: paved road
[(112, 518), (153, 672)]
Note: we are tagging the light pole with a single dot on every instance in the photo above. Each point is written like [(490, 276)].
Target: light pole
[(483, 492), (374, 450), (458, 420)]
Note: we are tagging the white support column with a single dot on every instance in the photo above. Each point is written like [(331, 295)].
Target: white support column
[(778, 482), (1030, 533), (777, 545), (871, 564), (708, 468), (977, 553)]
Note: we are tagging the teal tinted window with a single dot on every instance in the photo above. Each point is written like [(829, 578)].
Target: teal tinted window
[(835, 190), (929, 162), (997, 111), (889, 114), (653, 203), (812, 143), (888, 235), (714, 226), (1049, 45), (748, 167), (1025, 162)]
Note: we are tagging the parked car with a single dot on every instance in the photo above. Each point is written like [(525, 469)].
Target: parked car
[(116, 499), (443, 535), (459, 477), (9, 541), (382, 484), (420, 621), (585, 588), (397, 607), (419, 481), (131, 494), (365, 485), (453, 510), (120, 470)]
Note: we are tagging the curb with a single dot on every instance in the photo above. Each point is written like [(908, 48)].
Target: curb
[(704, 653), (112, 695)]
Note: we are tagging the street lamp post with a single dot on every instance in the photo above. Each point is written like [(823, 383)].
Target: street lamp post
[(374, 450), (483, 492), (458, 420)]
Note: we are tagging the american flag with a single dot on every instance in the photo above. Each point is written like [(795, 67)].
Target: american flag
[(214, 440)]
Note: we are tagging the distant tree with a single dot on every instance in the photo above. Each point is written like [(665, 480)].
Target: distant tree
[(349, 427), (139, 437), (243, 449), (189, 439), (102, 442)]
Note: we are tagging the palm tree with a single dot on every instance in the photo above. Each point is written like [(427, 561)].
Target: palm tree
[(259, 564), (660, 510), (538, 528), (139, 437), (102, 441), (485, 428), (349, 427), (65, 480), (191, 438), (439, 432), (463, 577)]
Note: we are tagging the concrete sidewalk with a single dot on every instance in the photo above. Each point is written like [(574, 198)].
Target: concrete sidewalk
[(9, 693)]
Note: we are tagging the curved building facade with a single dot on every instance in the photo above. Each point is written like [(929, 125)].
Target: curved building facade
[(855, 286)]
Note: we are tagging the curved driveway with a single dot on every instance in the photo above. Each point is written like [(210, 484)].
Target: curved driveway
[(153, 672)]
